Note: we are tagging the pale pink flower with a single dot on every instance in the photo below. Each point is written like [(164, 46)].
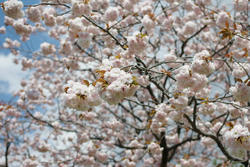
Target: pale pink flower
[(49, 20), (120, 85), (143, 80), (22, 28), (148, 162), (47, 48), (8, 21), (30, 163), (148, 23), (84, 40), (34, 14), (241, 5), (101, 156), (154, 148), (79, 8), (137, 43), (2, 30), (66, 47), (194, 81), (239, 70), (172, 139), (81, 97), (238, 137), (241, 92), (135, 143), (129, 163), (13, 9), (11, 43), (222, 18), (111, 14), (189, 28), (201, 63), (76, 25), (179, 103)]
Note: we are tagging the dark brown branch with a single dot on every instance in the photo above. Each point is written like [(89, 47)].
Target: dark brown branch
[(120, 145), (164, 85), (159, 87), (163, 144), (214, 138), (139, 61), (7, 153), (220, 116), (136, 117), (174, 147), (186, 41), (224, 122), (87, 53), (183, 142), (152, 94), (48, 4), (221, 49), (123, 120), (106, 31), (48, 123)]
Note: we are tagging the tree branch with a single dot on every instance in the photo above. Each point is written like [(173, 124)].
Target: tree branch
[(186, 41), (7, 153)]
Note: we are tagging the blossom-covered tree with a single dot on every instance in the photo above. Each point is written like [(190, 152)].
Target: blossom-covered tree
[(129, 83)]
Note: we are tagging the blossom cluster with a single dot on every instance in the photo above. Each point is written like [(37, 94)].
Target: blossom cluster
[(137, 43), (241, 92), (120, 84), (188, 79), (113, 87), (80, 96), (201, 63), (47, 48), (238, 140), (13, 9)]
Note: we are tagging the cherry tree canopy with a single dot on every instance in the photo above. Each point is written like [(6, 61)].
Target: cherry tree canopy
[(129, 83)]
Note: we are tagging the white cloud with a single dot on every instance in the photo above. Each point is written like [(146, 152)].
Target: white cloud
[(10, 73)]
